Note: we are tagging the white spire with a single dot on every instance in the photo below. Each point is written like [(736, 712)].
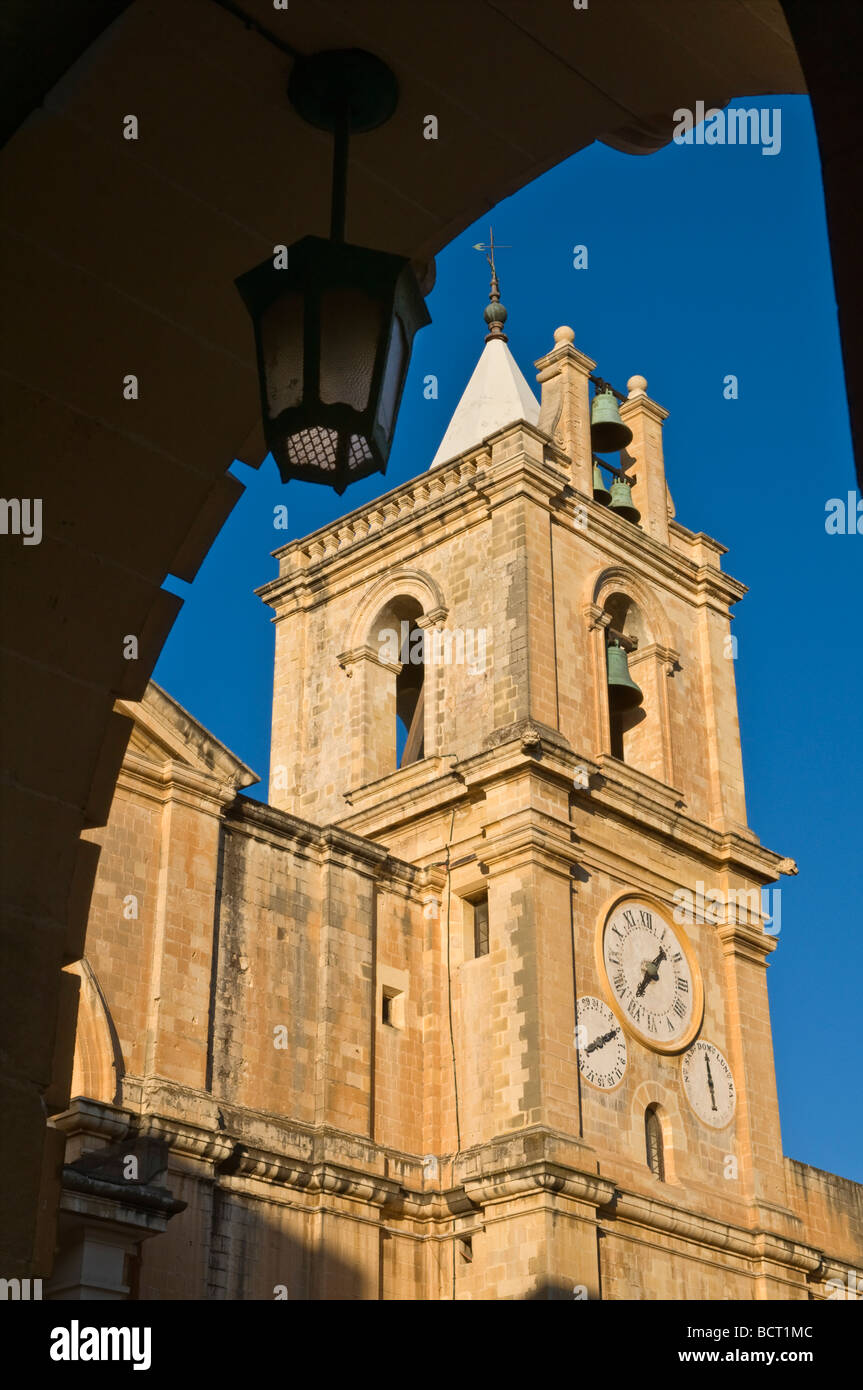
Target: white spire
[(496, 395)]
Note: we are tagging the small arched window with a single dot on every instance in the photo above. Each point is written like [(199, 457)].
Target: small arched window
[(654, 1143)]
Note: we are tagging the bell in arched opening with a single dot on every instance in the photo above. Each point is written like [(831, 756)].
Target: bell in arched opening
[(608, 433), (623, 693), (601, 493), (621, 501)]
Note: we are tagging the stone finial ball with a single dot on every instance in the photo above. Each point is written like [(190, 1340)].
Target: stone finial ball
[(564, 334), (637, 385)]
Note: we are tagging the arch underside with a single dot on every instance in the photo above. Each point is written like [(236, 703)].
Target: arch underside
[(144, 273)]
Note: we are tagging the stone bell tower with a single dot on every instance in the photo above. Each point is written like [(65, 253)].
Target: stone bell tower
[(585, 1051)]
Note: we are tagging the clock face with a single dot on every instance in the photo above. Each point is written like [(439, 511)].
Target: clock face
[(709, 1084), (601, 1044), (652, 976)]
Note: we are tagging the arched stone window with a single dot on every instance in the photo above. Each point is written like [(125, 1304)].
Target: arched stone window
[(654, 1142), (400, 641), (628, 737), (394, 693)]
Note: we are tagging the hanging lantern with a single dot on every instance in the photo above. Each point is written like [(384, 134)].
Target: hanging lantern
[(334, 327), (334, 333)]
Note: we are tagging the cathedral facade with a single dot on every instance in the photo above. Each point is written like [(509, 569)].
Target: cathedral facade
[(476, 1006)]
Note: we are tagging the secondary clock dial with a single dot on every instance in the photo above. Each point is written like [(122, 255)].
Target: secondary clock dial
[(601, 1044), (651, 975), (709, 1084)]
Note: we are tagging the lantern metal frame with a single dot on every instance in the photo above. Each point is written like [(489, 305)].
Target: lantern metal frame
[(317, 267)]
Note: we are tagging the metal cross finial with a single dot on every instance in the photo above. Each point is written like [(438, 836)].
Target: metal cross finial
[(490, 249), (494, 313)]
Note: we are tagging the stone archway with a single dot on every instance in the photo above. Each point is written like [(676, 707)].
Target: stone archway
[(141, 283)]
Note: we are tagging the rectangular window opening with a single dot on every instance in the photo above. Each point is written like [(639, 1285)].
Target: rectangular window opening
[(479, 908), (392, 1007)]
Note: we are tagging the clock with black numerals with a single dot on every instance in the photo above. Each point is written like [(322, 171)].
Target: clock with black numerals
[(652, 975), (709, 1084), (601, 1044)]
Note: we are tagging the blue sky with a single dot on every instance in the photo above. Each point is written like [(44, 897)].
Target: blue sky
[(702, 261)]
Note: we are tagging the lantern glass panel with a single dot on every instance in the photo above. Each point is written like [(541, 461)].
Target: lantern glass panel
[(393, 376), (314, 448), (282, 348), (350, 327)]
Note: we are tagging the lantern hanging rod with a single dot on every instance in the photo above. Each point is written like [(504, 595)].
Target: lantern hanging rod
[(339, 196), (602, 385), (344, 91), (618, 472), (336, 103), (246, 19)]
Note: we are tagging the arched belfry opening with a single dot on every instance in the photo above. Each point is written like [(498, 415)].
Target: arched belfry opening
[(410, 701), (633, 662), (400, 713), (626, 632)]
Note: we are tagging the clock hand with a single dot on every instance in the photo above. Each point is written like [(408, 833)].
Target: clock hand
[(710, 1085), (651, 971), (600, 1042)]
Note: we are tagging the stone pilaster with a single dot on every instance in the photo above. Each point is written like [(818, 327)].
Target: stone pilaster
[(564, 374), (643, 457)]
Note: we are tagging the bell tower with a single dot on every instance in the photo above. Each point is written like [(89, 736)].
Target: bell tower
[(515, 672)]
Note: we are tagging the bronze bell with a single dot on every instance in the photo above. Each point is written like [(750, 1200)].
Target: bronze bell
[(621, 501), (601, 493), (608, 433), (623, 693)]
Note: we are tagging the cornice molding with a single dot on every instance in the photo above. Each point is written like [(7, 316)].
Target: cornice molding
[(562, 354), (743, 941), (237, 1145), (643, 403), (540, 1176), (615, 789), (365, 653), (174, 781)]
